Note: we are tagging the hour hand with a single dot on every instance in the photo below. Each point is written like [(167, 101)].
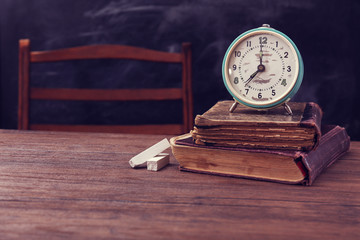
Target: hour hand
[(251, 77)]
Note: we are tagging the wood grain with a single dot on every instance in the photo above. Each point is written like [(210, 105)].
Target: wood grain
[(80, 186)]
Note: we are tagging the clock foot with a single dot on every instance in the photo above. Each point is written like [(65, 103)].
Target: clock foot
[(288, 109), (233, 106)]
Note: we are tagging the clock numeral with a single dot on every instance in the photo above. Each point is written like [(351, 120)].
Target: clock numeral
[(263, 40), (277, 44), (247, 90), (284, 82), (259, 95), (236, 80), (273, 93), (248, 43), (237, 53), (286, 54), (234, 67), (289, 68)]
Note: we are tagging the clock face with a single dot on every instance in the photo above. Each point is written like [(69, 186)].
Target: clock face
[(262, 68)]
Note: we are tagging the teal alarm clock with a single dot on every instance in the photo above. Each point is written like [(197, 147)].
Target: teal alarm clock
[(262, 69)]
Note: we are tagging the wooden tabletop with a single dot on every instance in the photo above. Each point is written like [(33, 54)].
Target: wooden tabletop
[(81, 186)]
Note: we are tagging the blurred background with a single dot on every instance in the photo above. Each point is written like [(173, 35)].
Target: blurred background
[(326, 33)]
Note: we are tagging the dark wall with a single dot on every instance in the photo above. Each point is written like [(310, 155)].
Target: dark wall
[(326, 33)]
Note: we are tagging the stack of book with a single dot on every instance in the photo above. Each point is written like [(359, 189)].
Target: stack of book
[(266, 145)]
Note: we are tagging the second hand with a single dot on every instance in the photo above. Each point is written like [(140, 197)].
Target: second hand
[(260, 68)]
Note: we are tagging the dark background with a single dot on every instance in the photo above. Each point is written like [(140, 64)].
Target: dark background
[(326, 33)]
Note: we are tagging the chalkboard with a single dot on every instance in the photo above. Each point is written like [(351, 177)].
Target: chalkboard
[(324, 31)]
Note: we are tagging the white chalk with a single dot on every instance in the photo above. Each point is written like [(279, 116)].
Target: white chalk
[(158, 162), (152, 151)]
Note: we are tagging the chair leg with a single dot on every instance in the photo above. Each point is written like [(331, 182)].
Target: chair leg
[(24, 69)]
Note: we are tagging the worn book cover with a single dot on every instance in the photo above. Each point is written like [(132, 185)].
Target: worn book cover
[(271, 129), (286, 166)]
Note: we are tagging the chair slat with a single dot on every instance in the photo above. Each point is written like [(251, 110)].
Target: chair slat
[(105, 94), (104, 52)]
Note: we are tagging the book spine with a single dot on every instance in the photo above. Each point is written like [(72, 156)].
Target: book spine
[(312, 119), (331, 147)]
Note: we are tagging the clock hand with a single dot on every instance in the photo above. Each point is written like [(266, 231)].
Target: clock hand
[(251, 77), (260, 68)]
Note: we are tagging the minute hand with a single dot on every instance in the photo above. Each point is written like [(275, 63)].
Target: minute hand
[(251, 77)]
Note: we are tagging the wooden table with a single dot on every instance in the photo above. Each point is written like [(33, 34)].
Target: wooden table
[(80, 186)]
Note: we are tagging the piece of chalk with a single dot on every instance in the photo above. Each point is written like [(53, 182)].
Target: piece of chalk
[(158, 162), (152, 151)]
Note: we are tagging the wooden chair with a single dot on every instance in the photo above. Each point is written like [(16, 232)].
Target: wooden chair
[(28, 93)]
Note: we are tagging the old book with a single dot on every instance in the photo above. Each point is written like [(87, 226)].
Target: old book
[(294, 167), (271, 129)]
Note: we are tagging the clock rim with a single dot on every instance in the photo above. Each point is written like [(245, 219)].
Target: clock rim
[(287, 96)]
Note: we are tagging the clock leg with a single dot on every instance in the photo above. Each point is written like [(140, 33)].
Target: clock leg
[(288, 109), (233, 106)]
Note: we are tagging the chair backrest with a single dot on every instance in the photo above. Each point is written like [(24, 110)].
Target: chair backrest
[(28, 93)]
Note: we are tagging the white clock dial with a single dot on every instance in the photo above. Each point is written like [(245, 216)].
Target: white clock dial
[(261, 69)]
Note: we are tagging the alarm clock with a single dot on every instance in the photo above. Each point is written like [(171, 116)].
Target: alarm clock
[(262, 69)]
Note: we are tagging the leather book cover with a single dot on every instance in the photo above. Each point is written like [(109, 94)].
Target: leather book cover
[(334, 143), (271, 129), (292, 167)]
